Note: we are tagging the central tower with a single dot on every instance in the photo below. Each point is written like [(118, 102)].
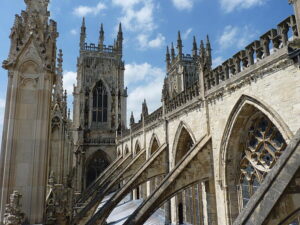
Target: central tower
[(99, 105)]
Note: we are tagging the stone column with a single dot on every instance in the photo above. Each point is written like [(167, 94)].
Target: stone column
[(296, 4)]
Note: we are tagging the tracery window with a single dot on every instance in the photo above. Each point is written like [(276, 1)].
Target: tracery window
[(263, 146), (100, 103), (95, 166)]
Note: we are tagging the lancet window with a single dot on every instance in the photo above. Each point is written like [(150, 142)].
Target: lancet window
[(100, 103)]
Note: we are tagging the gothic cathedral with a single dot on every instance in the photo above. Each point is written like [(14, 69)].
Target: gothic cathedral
[(223, 148)]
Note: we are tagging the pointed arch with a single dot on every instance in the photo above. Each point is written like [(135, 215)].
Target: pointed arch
[(95, 165), (126, 151), (100, 99), (154, 144), (245, 114), (184, 139), (119, 152), (137, 147)]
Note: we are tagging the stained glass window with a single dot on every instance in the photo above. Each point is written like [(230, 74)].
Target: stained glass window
[(263, 146)]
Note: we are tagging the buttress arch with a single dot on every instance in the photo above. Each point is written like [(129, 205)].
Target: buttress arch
[(154, 144), (184, 139), (137, 147), (234, 140)]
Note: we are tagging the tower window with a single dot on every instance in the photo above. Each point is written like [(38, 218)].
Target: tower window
[(100, 103)]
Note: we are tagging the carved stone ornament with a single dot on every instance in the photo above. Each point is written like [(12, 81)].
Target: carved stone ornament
[(13, 214), (292, 1)]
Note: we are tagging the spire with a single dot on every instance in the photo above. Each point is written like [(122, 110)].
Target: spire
[(179, 45), (168, 59), (132, 119), (195, 48), (120, 39), (82, 34), (172, 52), (208, 52), (101, 37)]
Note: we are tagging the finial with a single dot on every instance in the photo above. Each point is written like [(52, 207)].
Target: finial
[(82, 34), (168, 54), (179, 36), (172, 51), (60, 61), (208, 42), (208, 53), (195, 48), (202, 49), (179, 45), (120, 40), (65, 96), (120, 27), (144, 108), (168, 58), (101, 36), (132, 119)]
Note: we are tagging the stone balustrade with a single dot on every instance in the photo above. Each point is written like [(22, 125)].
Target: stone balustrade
[(96, 48), (156, 115), (107, 141), (268, 43), (182, 98)]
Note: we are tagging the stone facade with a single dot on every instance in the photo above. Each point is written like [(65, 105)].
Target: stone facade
[(223, 146), (99, 105)]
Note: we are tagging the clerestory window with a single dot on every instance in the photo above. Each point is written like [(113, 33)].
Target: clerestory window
[(100, 103), (264, 145)]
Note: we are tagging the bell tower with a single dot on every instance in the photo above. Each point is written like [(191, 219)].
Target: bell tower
[(99, 105), (31, 71)]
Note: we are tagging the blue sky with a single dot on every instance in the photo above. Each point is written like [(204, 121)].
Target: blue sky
[(149, 26)]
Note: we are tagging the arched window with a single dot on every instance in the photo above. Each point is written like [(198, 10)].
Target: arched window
[(96, 164), (100, 103), (263, 146)]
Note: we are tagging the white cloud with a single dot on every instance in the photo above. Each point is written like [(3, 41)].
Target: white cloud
[(231, 5), (183, 4), (237, 37), (217, 61), (85, 10), (141, 72), (2, 103), (145, 43), (150, 89), (157, 42), (73, 32), (137, 15), (187, 33), (69, 80)]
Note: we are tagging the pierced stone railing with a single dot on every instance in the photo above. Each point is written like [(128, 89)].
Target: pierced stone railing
[(182, 98), (95, 48), (268, 43), (156, 115), (108, 141)]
